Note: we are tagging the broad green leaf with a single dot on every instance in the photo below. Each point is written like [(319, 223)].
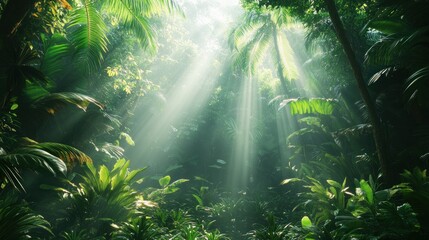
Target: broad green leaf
[(389, 26), (104, 176), (369, 194), (163, 182), (306, 222), (14, 106)]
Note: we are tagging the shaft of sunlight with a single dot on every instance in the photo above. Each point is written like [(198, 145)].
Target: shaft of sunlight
[(187, 97), (244, 154)]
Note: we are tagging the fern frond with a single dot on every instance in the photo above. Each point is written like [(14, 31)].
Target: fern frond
[(135, 15), (88, 34), (53, 102), (325, 106), (31, 158), (56, 49), (70, 155)]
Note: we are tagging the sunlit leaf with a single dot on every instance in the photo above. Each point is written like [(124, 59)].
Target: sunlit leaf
[(70, 155), (127, 138), (290, 180), (325, 106), (53, 102), (306, 222), (369, 193), (164, 181)]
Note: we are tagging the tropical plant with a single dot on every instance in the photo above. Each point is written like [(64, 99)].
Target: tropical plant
[(138, 228), (330, 8), (260, 29), (18, 221), (339, 213), (27, 157), (273, 231), (89, 32), (100, 198), (167, 187)]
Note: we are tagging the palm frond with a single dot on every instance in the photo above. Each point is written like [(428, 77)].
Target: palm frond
[(56, 49), (132, 16), (250, 24), (53, 102), (112, 151), (416, 84), (410, 44), (135, 15), (88, 36), (159, 7), (325, 106), (31, 158), (287, 60), (252, 47), (23, 68), (355, 131), (282, 17), (18, 221), (70, 155)]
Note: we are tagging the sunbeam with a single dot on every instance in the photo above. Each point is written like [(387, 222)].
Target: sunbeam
[(194, 85), (244, 150)]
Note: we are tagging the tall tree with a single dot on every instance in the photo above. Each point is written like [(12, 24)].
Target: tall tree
[(378, 132), (260, 30)]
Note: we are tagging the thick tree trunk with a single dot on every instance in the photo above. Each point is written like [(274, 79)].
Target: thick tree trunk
[(280, 70), (378, 133)]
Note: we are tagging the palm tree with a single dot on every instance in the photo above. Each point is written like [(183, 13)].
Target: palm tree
[(259, 31), (86, 29), (89, 32), (329, 5)]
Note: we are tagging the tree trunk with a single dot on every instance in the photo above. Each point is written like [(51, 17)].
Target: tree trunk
[(280, 73), (378, 133)]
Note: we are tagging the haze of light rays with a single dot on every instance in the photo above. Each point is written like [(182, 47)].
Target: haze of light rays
[(302, 79), (294, 56), (244, 154), (191, 89)]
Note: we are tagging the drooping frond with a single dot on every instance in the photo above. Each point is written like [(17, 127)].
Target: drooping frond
[(159, 7), (70, 155), (325, 106), (415, 82), (287, 60), (252, 47), (281, 17), (250, 24), (56, 49), (135, 15), (31, 158), (354, 131), (406, 44), (21, 68), (88, 36), (19, 221), (110, 150), (53, 102)]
